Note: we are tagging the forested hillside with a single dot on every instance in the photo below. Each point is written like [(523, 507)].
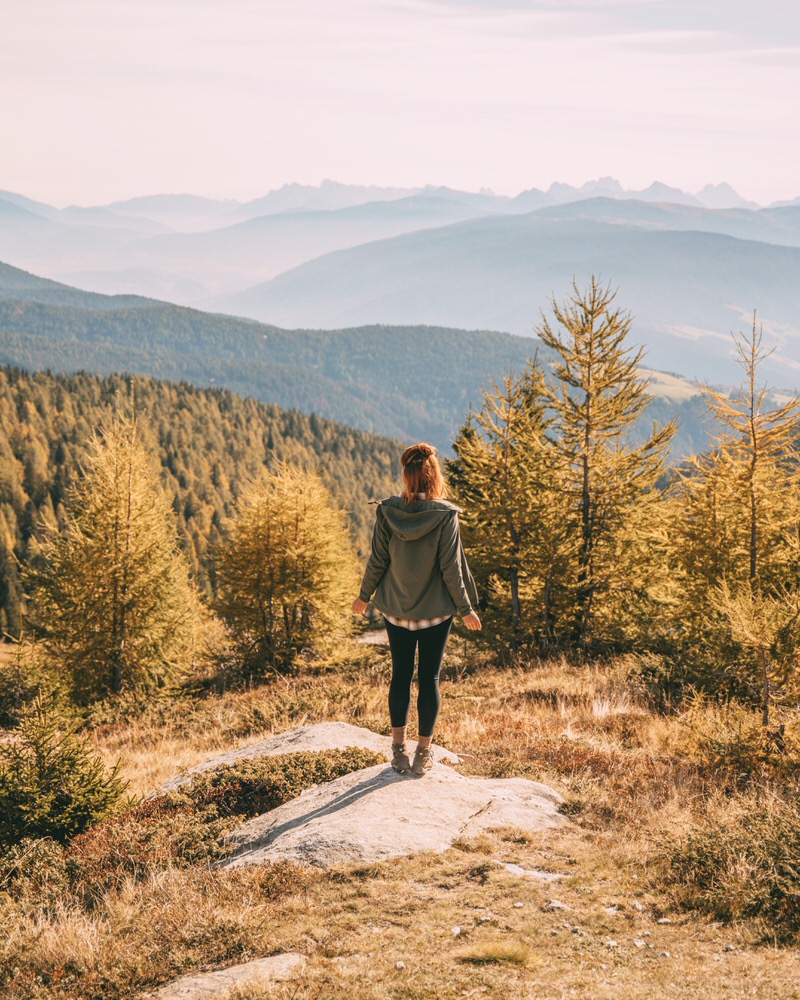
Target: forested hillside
[(208, 442), (407, 382)]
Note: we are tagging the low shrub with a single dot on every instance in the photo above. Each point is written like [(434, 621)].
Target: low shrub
[(52, 783), (157, 835), (733, 751), (34, 873), (742, 866), (658, 680), (251, 787), (187, 827), (499, 952)]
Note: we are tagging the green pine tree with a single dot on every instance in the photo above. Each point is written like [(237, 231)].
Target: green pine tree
[(505, 478), (110, 597), (736, 542), (52, 783), (286, 571), (609, 485)]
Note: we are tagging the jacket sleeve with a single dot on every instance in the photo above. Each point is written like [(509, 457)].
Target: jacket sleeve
[(449, 554), (378, 561)]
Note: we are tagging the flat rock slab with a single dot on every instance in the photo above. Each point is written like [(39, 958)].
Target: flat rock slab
[(376, 813), (322, 736), (216, 985)]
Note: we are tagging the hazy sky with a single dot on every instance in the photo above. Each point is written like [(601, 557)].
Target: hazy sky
[(105, 99)]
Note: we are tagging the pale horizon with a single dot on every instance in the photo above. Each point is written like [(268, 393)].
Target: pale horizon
[(107, 102), (483, 189)]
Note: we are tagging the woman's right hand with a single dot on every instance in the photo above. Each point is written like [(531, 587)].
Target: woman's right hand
[(472, 621)]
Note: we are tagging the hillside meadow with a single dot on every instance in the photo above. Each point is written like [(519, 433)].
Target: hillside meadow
[(651, 798)]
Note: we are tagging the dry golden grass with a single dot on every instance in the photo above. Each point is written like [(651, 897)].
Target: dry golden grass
[(389, 929)]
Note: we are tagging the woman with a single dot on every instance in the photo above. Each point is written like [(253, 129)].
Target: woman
[(419, 577)]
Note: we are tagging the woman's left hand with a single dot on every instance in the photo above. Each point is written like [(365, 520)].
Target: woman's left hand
[(359, 606)]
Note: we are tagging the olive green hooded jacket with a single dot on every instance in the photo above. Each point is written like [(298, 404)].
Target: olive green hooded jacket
[(417, 567)]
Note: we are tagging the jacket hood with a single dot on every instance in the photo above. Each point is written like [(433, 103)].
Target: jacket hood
[(417, 519)]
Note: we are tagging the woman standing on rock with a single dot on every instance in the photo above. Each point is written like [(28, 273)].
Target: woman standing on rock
[(419, 576)]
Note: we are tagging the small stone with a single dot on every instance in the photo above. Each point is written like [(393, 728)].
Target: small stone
[(646, 934), (664, 920), (399, 965), (484, 920), (634, 878), (518, 906), (638, 943), (612, 909), (455, 931), (529, 872), (555, 904), (730, 947), (665, 954), (553, 932), (611, 943), (636, 905)]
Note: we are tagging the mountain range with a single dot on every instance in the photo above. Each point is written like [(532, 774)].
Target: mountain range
[(691, 268), (687, 289)]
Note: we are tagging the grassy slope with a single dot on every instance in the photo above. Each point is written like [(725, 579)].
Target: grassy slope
[(584, 731)]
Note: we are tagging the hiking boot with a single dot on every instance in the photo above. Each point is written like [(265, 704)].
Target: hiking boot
[(423, 761), (400, 761)]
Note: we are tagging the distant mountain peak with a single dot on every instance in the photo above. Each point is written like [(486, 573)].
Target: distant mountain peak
[(608, 186), (715, 196), (658, 191), (28, 204), (722, 196)]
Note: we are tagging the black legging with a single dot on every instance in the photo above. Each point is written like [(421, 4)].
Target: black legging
[(402, 643)]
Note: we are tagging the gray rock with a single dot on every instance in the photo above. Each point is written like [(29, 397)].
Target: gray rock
[(208, 985), (375, 637), (376, 813), (530, 872), (322, 736)]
